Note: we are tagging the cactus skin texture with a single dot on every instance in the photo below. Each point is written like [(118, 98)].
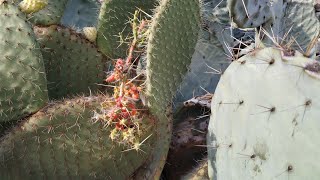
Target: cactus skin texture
[(61, 142), (23, 89), (32, 6), (270, 130), (81, 13), (113, 19), (168, 61), (200, 172), (73, 64), (51, 14)]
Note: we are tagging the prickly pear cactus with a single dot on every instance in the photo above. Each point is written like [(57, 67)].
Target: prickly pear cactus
[(51, 14), (23, 89), (73, 64), (167, 62), (61, 141), (81, 13), (264, 118), (113, 27)]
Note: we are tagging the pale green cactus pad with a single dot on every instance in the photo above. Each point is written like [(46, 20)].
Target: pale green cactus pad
[(265, 118)]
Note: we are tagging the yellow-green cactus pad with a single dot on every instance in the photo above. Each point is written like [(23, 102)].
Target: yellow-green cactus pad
[(32, 6), (90, 33)]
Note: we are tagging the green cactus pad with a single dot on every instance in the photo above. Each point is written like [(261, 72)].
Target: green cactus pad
[(170, 50), (51, 14), (61, 141), (265, 118), (113, 21), (73, 64), (23, 89), (173, 36)]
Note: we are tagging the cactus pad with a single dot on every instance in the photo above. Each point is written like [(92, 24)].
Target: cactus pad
[(23, 89), (61, 141), (168, 61), (264, 122), (113, 23), (81, 13), (73, 64), (51, 14)]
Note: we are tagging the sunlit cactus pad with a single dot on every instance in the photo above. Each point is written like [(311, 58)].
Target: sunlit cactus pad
[(265, 118)]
